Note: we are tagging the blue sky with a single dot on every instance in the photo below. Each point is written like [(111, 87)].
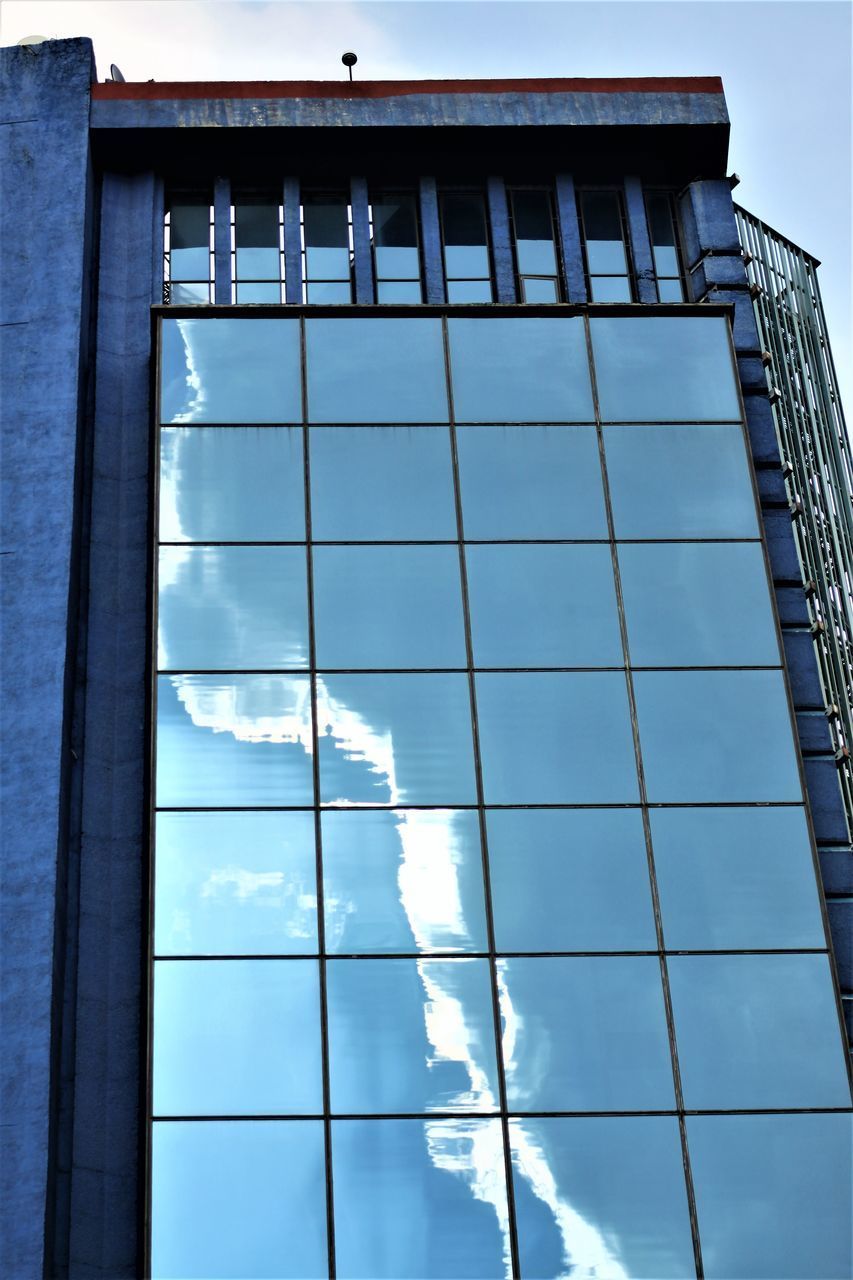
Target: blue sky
[(785, 64)]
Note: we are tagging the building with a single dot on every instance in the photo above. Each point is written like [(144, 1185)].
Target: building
[(485, 923)]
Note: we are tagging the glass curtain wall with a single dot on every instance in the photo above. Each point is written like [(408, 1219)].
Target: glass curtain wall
[(487, 939)]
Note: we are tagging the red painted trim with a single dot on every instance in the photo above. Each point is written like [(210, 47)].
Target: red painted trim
[(267, 89)]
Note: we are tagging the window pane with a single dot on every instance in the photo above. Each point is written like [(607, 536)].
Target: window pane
[(328, 293), (610, 289), (395, 237), (231, 484), (520, 370), (670, 291), (410, 1036), (396, 263), (388, 607), (256, 240), (602, 223), (531, 482), (188, 295), (238, 1200), (395, 739), (698, 604), (680, 482), (556, 738), (465, 244), (716, 735), (662, 234), (391, 291), (189, 242), (411, 880), (534, 233), (417, 1198), (570, 880), (237, 370), (189, 264), (233, 740), (732, 879), (664, 368), (259, 292), (232, 607), (236, 1037), (757, 1031), (376, 483), (469, 291), (539, 290), (375, 370), (235, 884), (326, 229), (773, 1195), (543, 606), (585, 1034), (601, 1196)]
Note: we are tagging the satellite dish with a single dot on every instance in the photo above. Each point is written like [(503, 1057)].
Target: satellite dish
[(349, 59), (32, 39), (115, 74)]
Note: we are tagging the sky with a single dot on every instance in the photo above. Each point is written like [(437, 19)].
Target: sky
[(785, 64)]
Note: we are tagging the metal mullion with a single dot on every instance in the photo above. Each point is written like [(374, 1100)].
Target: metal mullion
[(481, 815), (289, 1117), (644, 809), (393, 808), (440, 956)]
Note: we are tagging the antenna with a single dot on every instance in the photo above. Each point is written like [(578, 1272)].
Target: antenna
[(349, 60), (115, 74), (32, 40)]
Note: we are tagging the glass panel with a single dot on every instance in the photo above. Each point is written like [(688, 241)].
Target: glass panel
[(256, 240), (664, 368), (238, 1200), (698, 604), (757, 1031), (716, 735), (557, 738), (326, 230), (520, 370), (231, 484), (465, 243), (539, 290), (610, 289), (189, 242), (235, 884), (534, 233), (602, 223), (680, 482), (662, 234), (773, 1195), (416, 1198), (381, 482), (389, 291), (236, 1037), (570, 880), (598, 1196), (189, 295), (395, 237), (329, 293), (410, 1036), (411, 880), (232, 607), (543, 606), (531, 482), (189, 264), (376, 370), (585, 1034), (233, 370), (233, 740), (469, 291), (395, 739), (388, 607), (670, 291), (259, 292), (736, 879)]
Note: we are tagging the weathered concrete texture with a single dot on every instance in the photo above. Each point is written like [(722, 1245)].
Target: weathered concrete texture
[(708, 220), (292, 254), (501, 240), (639, 242), (570, 240), (431, 241), (45, 199), (362, 255)]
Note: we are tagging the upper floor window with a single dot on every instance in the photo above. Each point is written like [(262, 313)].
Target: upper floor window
[(188, 267), (396, 250), (326, 247), (664, 237), (535, 248), (467, 265), (603, 230), (257, 249)]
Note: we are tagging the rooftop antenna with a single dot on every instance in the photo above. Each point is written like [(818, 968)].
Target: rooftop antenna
[(349, 60), (115, 74)]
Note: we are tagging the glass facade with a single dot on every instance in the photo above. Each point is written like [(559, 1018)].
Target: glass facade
[(487, 939)]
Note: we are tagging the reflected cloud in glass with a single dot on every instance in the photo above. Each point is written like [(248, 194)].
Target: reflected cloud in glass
[(230, 370)]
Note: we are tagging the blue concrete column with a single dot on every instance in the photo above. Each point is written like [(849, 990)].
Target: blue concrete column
[(222, 240), (641, 245), (292, 241), (505, 290), (431, 241), (574, 276), (362, 255), (46, 201)]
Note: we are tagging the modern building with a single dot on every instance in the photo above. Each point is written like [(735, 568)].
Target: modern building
[(426, 685)]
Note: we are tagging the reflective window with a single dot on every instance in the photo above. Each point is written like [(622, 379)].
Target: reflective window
[(411, 1036), (531, 482), (664, 369), (326, 248), (602, 226), (416, 1198), (236, 1037), (396, 255), (543, 606), (376, 370), (467, 270), (570, 880), (716, 736), (232, 608), (732, 879), (257, 249), (680, 482), (601, 1196), (773, 1195), (661, 216), (235, 884), (230, 370), (188, 263), (531, 369), (535, 251), (231, 484), (233, 740), (757, 1031), (698, 604), (556, 738), (395, 739), (238, 1198), (408, 880), (388, 606), (381, 483), (585, 1034)]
